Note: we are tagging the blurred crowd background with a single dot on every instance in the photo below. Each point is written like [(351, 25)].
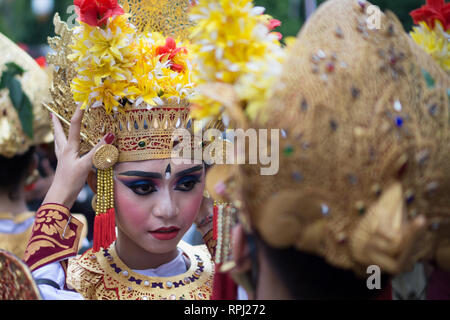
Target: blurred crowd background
[(30, 22)]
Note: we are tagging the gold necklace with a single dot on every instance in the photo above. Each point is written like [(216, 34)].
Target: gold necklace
[(119, 281)]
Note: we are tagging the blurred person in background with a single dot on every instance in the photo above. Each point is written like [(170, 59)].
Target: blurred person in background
[(25, 132), (23, 87)]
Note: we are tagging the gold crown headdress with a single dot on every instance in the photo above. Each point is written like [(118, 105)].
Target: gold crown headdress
[(23, 89), (365, 144), (129, 67)]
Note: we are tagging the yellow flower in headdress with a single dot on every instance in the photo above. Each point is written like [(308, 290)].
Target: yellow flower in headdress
[(160, 74), (436, 42), (255, 88), (107, 94), (82, 91), (115, 62), (144, 85), (234, 44), (204, 107), (102, 55), (225, 52), (95, 46)]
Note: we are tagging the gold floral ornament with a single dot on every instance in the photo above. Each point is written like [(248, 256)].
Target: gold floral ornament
[(168, 18), (23, 89), (364, 168), (51, 223), (48, 223)]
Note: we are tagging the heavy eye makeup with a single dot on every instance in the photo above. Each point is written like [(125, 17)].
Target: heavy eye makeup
[(188, 182), (140, 187), (142, 184)]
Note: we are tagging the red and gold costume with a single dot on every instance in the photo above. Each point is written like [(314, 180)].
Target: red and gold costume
[(130, 70), (102, 275), (56, 234)]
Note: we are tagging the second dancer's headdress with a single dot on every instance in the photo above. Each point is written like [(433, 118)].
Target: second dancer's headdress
[(364, 143), (23, 89)]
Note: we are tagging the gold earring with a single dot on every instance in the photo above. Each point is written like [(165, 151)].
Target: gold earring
[(104, 224)]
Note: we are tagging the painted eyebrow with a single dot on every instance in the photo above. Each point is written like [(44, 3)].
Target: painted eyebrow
[(143, 174), (190, 170)]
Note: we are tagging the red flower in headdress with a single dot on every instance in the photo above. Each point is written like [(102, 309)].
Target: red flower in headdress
[(97, 12), (433, 10), (169, 52), (41, 61), (273, 24)]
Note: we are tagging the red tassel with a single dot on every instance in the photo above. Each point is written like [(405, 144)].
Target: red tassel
[(104, 230), (107, 238), (97, 232), (111, 232), (215, 221), (224, 288)]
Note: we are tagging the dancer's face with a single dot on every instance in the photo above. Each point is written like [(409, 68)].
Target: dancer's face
[(157, 201)]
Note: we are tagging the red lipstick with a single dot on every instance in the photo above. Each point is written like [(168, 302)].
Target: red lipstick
[(165, 233)]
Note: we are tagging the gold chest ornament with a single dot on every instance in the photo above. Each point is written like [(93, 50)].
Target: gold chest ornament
[(103, 276)]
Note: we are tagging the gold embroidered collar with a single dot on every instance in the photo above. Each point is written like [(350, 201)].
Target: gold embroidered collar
[(197, 280)]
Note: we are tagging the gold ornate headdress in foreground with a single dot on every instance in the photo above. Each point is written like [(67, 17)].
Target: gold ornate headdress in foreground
[(124, 76), (23, 89), (130, 68), (364, 152)]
